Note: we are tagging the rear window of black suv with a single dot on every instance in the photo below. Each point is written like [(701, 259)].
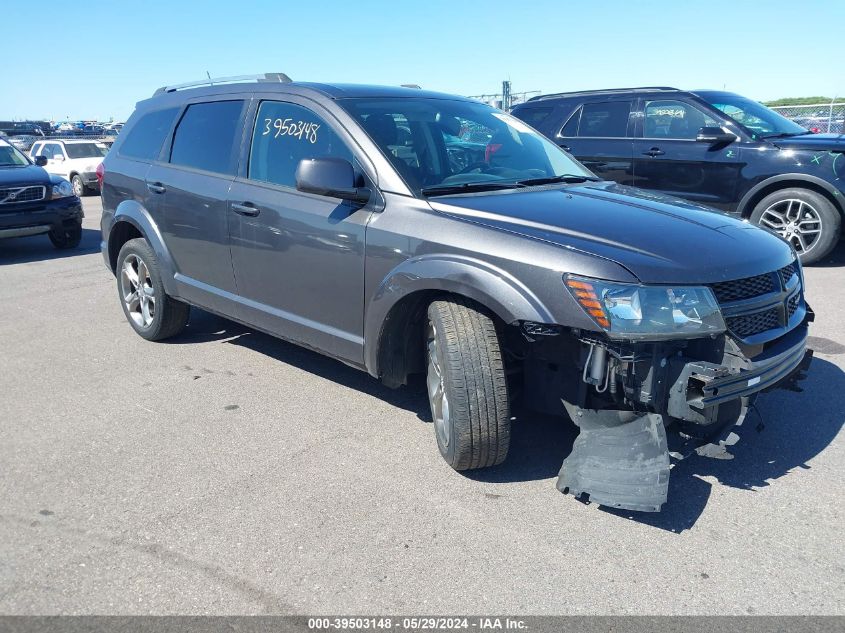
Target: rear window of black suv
[(146, 137)]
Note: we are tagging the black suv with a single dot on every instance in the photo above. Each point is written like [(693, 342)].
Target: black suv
[(33, 202), (410, 232), (716, 148)]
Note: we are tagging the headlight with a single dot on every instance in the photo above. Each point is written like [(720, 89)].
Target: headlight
[(628, 311), (62, 190)]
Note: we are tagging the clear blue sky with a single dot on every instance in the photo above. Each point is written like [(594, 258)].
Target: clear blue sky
[(107, 55)]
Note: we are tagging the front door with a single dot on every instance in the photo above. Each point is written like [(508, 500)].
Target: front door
[(599, 134), (667, 157), (298, 257)]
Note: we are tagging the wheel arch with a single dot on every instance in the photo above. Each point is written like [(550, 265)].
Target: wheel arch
[(787, 181), (393, 324), (131, 220)]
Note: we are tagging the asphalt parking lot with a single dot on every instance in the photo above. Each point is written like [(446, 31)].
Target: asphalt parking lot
[(228, 472)]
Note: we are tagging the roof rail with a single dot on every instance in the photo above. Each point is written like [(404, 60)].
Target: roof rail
[(266, 77), (606, 90)]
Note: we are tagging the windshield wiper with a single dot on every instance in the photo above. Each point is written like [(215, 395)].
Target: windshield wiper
[(546, 180), (784, 134), (464, 187)]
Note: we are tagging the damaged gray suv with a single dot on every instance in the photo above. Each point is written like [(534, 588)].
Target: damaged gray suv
[(408, 232)]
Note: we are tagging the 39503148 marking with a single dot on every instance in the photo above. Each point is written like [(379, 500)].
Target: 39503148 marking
[(301, 130)]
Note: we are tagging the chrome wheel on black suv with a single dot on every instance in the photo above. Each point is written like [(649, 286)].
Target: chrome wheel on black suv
[(151, 312), (804, 218)]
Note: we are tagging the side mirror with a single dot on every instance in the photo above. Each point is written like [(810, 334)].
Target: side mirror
[(334, 177), (41, 161), (714, 136)]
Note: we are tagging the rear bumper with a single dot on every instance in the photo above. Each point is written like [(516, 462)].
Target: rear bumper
[(40, 219)]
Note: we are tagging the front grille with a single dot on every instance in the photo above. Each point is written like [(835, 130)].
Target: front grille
[(792, 305), (14, 195), (747, 288), (768, 292), (750, 324), (786, 273)]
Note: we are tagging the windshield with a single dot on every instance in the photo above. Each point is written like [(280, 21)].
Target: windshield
[(85, 150), (11, 157), (439, 143), (762, 121)]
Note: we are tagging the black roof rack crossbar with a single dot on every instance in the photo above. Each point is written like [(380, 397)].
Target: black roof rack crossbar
[(605, 91), (266, 77)]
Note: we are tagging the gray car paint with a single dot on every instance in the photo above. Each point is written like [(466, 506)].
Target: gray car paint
[(506, 250)]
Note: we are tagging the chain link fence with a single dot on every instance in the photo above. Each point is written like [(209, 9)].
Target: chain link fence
[(820, 117)]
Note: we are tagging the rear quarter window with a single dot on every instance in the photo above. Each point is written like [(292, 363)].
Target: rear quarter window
[(145, 138)]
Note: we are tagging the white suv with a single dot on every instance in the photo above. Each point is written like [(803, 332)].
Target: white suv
[(75, 160)]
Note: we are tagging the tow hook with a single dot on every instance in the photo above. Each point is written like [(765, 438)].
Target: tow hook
[(620, 459)]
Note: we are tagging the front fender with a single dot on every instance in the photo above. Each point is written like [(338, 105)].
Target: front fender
[(745, 208), (135, 214), (490, 286)]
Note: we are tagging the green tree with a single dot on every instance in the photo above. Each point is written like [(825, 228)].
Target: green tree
[(788, 101)]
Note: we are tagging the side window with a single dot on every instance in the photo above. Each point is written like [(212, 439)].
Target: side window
[(674, 119), (608, 119), (145, 138), (50, 150), (205, 136), (534, 116), (570, 129), (35, 150), (285, 134)]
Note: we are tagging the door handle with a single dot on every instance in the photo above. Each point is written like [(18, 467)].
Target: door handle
[(654, 151), (247, 208), (156, 187), (565, 148)]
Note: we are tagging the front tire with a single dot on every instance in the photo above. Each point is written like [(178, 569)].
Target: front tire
[(77, 185), (466, 383), (67, 236), (804, 218), (151, 312)]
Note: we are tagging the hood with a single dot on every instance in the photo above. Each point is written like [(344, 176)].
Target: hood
[(658, 238), (813, 142), (28, 175)]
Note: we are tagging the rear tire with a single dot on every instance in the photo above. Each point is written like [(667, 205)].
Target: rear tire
[(151, 312), (467, 387), (804, 218)]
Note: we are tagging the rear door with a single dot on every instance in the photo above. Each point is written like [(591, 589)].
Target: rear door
[(667, 158), (193, 180), (599, 133)]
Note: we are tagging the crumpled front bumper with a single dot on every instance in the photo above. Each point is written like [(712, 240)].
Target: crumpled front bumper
[(621, 459)]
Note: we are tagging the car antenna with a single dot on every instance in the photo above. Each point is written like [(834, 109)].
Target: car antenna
[(210, 80)]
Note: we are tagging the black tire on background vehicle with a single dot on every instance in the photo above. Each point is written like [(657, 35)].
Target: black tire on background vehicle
[(78, 185), (466, 383), (68, 236), (151, 312), (806, 219)]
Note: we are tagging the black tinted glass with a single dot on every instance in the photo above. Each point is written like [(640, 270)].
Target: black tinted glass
[(609, 119), (145, 138), (205, 136), (286, 134), (533, 116)]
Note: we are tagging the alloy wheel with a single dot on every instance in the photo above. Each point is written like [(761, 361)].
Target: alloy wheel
[(437, 390), (136, 288), (796, 221), (78, 188)]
